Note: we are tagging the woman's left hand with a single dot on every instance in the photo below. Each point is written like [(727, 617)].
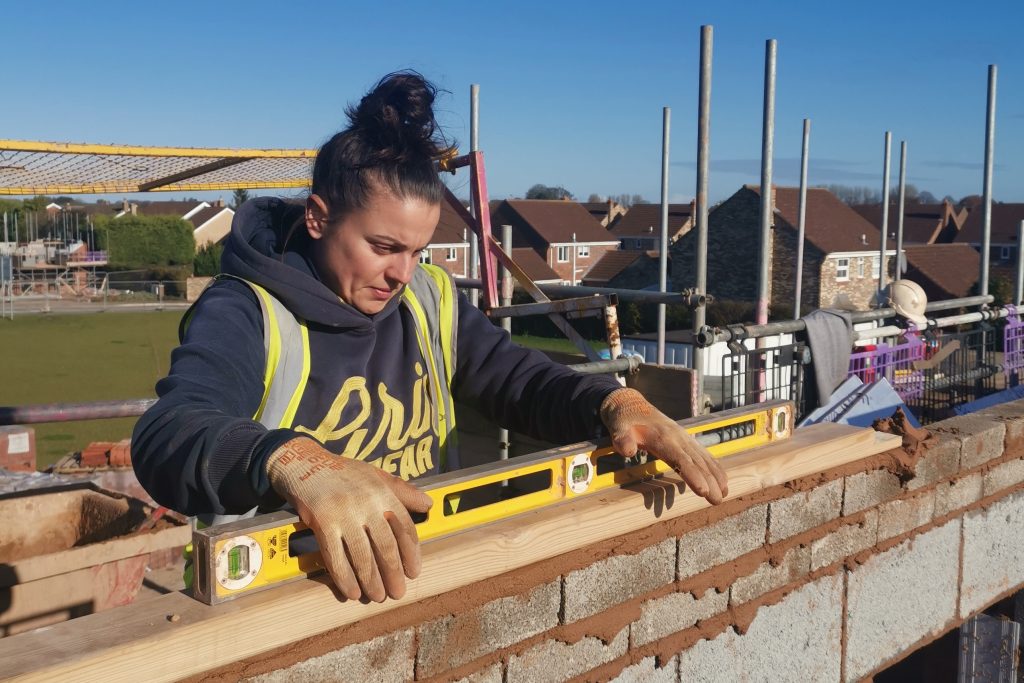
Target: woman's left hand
[(634, 423)]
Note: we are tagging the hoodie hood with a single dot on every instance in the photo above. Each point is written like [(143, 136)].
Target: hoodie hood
[(256, 251)]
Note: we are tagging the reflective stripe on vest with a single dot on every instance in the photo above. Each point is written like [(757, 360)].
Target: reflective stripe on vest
[(432, 300)]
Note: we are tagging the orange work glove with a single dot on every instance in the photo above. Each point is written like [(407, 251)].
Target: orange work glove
[(359, 514), (635, 424)]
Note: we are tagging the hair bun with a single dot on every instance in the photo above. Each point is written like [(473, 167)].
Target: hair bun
[(396, 119)]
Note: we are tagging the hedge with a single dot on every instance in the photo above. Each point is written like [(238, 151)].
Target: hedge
[(146, 241)]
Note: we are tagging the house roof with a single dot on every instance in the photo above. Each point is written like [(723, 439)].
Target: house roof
[(644, 220), (203, 215), (535, 267), (612, 263), (451, 229), (555, 220), (1005, 220), (831, 225), (921, 222), (951, 268)]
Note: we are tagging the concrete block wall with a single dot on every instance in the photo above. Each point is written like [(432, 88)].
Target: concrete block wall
[(833, 578)]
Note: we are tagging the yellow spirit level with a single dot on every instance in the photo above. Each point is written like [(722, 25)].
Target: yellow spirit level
[(253, 554)]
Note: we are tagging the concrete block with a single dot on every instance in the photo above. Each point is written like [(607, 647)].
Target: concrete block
[(1003, 477), (492, 674), (385, 659), (795, 564), (648, 671), (1012, 416), (940, 461), (663, 616), (867, 489), (981, 437), (845, 541), (806, 510), (554, 660), (797, 639), (722, 541), (900, 516), (993, 552), (456, 639), (617, 579), (898, 597), (957, 494)]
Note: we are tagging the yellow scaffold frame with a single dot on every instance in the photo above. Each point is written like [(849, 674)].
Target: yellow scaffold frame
[(49, 168)]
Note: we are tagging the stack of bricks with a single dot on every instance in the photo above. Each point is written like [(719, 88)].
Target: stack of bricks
[(106, 454), (833, 578)]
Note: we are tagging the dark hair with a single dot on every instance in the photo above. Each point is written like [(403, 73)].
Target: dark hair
[(390, 143)]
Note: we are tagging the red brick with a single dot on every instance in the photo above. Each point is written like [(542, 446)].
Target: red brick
[(96, 454), (120, 454)]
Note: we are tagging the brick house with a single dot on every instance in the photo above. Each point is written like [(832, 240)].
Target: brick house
[(449, 248), (922, 223), (944, 271), (840, 253), (211, 224), (640, 227), (562, 232), (604, 213), (535, 267), (624, 269), (1006, 219)]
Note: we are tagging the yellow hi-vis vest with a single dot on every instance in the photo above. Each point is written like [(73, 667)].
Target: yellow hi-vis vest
[(431, 299)]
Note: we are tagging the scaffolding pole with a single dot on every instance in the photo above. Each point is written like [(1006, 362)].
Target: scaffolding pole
[(707, 35), (666, 123), (801, 219)]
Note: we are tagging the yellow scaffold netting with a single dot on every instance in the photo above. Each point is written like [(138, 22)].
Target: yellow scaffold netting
[(51, 168)]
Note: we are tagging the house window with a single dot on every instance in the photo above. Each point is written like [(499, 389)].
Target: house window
[(425, 256), (874, 267), (451, 254), (1004, 253), (860, 267), (583, 250), (843, 269), (563, 254)]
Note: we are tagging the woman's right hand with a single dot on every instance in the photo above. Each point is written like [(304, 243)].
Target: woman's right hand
[(359, 514)]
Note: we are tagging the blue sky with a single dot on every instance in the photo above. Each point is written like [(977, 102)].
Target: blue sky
[(571, 92)]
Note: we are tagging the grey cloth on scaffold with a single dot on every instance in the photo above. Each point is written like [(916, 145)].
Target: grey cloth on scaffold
[(830, 336)]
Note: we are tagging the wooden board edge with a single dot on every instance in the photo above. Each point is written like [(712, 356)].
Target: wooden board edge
[(43, 566)]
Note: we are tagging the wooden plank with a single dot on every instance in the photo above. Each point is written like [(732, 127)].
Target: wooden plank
[(140, 642), (33, 568)]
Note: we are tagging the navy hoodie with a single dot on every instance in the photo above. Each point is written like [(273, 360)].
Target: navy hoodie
[(198, 450)]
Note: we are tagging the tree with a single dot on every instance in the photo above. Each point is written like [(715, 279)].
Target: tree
[(207, 260), (541, 191), (628, 200), (594, 198), (855, 195), (239, 197), (927, 197)]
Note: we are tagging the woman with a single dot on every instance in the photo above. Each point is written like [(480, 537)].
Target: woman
[(321, 370)]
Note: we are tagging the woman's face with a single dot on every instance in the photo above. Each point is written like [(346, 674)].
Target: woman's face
[(370, 254)]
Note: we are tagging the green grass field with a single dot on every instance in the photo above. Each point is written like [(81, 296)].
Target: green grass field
[(84, 357), (100, 357)]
